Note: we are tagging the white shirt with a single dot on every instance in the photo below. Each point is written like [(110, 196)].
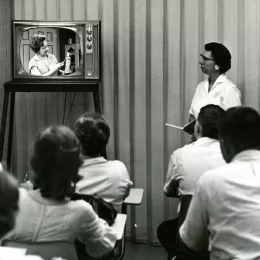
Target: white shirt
[(106, 179), (42, 219), (188, 163), (225, 210), (223, 93)]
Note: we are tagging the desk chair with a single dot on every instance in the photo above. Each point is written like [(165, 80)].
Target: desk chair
[(184, 252), (134, 198), (46, 250)]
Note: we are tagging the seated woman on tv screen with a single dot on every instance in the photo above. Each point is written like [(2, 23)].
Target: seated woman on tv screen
[(42, 63)]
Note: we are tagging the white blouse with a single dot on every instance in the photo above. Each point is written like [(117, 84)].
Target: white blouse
[(41, 219), (223, 93)]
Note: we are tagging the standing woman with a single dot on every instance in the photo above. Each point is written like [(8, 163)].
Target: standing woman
[(42, 63), (217, 89)]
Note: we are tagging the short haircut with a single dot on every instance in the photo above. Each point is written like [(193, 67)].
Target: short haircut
[(220, 54), (36, 42), (93, 133), (56, 160), (239, 127), (8, 203), (208, 119)]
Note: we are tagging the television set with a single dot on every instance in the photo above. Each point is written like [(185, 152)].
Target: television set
[(76, 41)]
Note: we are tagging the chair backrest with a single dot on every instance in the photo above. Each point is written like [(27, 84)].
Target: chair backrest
[(185, 203), (47, 249)]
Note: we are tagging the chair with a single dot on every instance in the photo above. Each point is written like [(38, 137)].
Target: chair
[(185, 203), (47, 249), (134, 198)]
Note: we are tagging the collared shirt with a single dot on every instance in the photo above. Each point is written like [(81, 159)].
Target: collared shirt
[(42, 64), (225, 210), (107, 179), (188, 163), (223, 93)]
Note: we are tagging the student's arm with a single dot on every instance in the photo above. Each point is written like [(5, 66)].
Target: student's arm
[(194, 231), (96, 234), (174, 175)]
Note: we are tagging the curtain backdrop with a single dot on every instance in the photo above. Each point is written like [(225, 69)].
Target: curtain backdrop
[(150, 54)]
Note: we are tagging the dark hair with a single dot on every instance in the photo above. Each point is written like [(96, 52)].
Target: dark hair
[(208, 119), (36, 42), (8, 203), (55, 161), (93, 133), (239, 127), (220, 54)]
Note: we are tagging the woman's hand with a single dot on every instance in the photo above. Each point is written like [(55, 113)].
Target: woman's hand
[(55, 67), (26, 185)]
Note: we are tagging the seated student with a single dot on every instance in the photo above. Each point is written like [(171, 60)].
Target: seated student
[(225, 209), (188, 163), (9, 195), (9, 202), (107, 179), (47, 213)]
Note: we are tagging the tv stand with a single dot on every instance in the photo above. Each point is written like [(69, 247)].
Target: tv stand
[(39, 86)]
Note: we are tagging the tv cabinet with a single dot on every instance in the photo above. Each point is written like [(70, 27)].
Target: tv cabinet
[(14, 86)]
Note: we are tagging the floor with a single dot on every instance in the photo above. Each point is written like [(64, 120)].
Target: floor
[(134, 251)]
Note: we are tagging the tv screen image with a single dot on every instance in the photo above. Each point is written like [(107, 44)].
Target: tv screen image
[(56, 50)]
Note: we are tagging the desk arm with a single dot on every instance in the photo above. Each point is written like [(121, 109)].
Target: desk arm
[(135, 197)]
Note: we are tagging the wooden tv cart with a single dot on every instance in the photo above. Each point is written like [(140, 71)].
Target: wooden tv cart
[(39, 86)]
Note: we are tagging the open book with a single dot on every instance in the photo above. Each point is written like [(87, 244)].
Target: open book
[(188, 128)]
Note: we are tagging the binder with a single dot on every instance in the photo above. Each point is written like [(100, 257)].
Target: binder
[(188, 128)]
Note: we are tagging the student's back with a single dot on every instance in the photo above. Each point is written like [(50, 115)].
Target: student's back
[(106, 179), (225, 209)]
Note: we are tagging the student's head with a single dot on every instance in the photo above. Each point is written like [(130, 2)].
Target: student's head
[(207, 121), (8, 203), (38, 44), (239, 130), (55, 161), (93, 133), (216, 58)]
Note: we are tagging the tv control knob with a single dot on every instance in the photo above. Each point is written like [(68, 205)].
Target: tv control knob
[(89, 38), (89, 30), (89, 73), (89, 46)]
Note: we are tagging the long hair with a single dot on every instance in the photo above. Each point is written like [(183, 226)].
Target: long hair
[(55, 161)]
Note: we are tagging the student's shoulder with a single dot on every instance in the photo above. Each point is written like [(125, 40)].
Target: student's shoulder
[(215, 176), (80, 207), (116, 163), (185, 148)]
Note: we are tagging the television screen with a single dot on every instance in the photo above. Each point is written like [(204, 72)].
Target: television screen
[(56, 49)]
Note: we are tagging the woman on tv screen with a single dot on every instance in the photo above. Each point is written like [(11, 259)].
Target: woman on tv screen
[(42, 63)]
